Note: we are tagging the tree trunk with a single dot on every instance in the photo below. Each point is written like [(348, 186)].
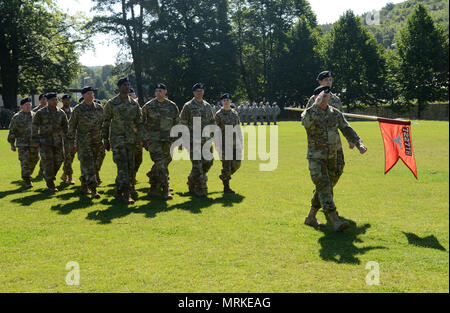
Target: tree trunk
[(10, 76)]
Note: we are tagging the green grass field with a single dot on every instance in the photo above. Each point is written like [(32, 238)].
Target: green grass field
[(254, 241)]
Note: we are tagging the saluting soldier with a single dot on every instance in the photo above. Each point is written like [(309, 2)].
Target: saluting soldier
[(20, 138), (231, 142), (322, 122), (121, 123), (198, 108), (85, 136), (68, 154), (159, 116), (49, 131)]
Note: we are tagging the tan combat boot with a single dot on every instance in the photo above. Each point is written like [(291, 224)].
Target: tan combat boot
[(84, 190), (311, 220), (338, 225), (94, 194), (51, 187), (28, 183), (127, 197), (166, 194)]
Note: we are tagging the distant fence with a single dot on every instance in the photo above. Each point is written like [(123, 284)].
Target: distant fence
[(434, 112)]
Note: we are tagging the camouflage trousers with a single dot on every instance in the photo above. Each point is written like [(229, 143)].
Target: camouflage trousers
[(124, 156), (52, 158), (138, 157), (325, 174), (68, 159), (229, 167), (28, 157), (200, 168), (161, 156), (100, 158), (89, 156)]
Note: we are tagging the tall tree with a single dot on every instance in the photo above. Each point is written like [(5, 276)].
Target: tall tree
[(423, 51), (356, 60), (38, 48), (128, 19)]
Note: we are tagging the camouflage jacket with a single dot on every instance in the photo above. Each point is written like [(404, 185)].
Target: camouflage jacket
[(49, 127), (159, 118), (322, 130), (229, 117), (197, 109), (38, 108), (85, 125), (20, 129), (334, 102), (68, 112), (122, 121)]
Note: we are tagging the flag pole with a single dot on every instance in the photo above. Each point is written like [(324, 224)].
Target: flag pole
[(360, 116)]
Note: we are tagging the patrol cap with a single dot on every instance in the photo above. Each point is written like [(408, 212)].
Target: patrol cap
[(86, 89), (161, 86), (122, 81), (131, 90), (319, 89), (198, 86), (42, 96), (226, 96), (66, 97), (52, 95), (81, 100), (25, 100), (324, 75)]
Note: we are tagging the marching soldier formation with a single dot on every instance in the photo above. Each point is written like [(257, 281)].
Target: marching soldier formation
[(124, 128)]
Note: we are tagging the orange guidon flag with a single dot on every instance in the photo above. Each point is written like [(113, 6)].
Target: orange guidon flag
[(397, 144)]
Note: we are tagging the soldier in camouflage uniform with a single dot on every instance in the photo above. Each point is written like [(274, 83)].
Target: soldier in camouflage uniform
[(275, 112), (102, 153), (49, 131), (20, 132), (68, 154), (42, 104), (121, 123), (85, 136), (159, 116), (322, 122), (228, 116), (268, 111), (139, 148), (199, 108)]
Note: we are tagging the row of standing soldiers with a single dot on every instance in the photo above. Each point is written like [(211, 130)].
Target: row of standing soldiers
[(254, 113), (124, 128)]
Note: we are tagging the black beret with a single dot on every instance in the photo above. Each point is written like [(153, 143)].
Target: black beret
[(66, 97), (123, 80), (86, 89), (198, 86), (319, 89), (161, 86), (80, 100), (25, 100), (226, 96), (42, 96), (131, 90), (324, 75), (51, 95)]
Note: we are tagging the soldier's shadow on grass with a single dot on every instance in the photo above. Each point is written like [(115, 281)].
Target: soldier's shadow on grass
[(40, 195), (427, 242), (155, 205), (22, 188), (340, 247)]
